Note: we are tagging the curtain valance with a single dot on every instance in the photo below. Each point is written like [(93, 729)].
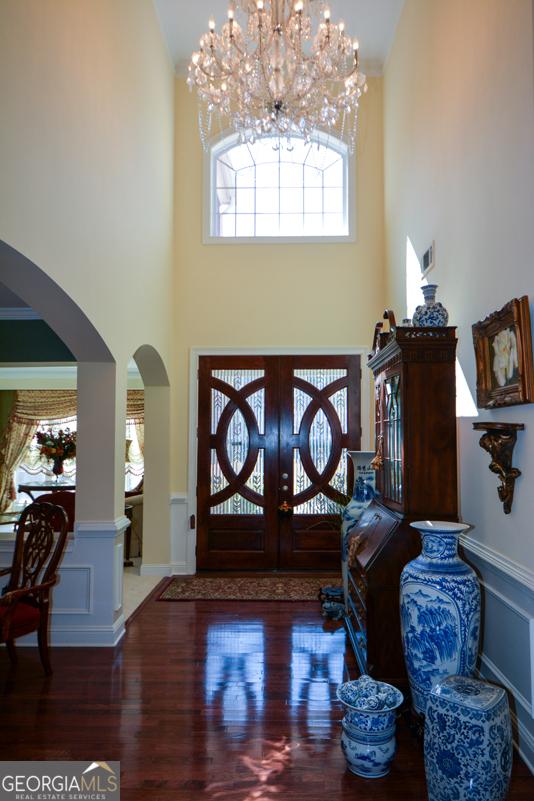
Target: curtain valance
[(32, 405)]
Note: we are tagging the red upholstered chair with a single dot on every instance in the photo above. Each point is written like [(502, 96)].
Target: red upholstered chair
[(25, 605), (62, 498)]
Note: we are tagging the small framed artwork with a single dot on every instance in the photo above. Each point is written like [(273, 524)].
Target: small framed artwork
[(503, 352)]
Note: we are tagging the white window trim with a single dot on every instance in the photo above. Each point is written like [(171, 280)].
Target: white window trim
[(208, 208)]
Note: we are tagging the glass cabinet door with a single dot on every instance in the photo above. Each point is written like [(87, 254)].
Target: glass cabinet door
[(389, 438)]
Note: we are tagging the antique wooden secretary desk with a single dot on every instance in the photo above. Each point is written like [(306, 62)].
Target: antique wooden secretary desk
[(415, 429)]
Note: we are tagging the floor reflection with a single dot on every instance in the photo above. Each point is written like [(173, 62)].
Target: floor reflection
[(269, 704), (262, 773), (235, 670), (317, 663)]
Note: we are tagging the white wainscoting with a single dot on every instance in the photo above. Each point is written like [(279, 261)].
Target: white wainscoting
[(87, 602), (182, 543), (183, 558), (507, 635)]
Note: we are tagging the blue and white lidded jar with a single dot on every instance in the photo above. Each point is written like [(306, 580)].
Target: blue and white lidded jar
[(432, 314), (368, 737), (468, 741), (440, 611)]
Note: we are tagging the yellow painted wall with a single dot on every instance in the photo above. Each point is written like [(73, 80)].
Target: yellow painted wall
[(86, 158), (459, 169), (320, 295)]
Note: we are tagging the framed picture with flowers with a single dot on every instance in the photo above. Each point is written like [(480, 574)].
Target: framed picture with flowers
[(503, 352)]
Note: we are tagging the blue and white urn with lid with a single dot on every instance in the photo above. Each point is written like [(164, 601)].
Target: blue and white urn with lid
[(431, 314), (368, 736), (440, 611)]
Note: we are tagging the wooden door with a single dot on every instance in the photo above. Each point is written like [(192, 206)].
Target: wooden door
[(273, 435)]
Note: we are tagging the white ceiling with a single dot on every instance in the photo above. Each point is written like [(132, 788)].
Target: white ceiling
[(373, 22)]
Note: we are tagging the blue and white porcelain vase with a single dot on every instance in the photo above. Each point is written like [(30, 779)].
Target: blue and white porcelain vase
[(363, 493), (364, 489), (440, 611), (468, 741), (368, 736), (432, 313)]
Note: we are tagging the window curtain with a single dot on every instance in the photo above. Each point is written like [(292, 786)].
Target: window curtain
[(32, 406), (135, 413)]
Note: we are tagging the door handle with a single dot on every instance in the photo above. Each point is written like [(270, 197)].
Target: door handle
[(285, 508)]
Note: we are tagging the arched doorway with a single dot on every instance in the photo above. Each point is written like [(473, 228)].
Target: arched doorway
[(88, 601), (154, 501)]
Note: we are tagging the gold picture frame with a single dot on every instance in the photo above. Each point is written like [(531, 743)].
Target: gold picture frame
[(503, 352)]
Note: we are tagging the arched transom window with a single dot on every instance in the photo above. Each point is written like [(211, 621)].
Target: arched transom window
[(275, 189)]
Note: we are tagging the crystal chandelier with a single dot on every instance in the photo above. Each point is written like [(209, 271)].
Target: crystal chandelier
[(278, 73)]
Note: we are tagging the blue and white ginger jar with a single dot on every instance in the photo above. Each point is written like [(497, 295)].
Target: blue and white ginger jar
[(368, 736), (468, 741), (440, 611), (432, 314)]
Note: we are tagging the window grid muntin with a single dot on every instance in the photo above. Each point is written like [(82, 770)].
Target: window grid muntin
[(340, 220)]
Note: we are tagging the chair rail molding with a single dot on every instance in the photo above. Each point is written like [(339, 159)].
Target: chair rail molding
[(514, 570)]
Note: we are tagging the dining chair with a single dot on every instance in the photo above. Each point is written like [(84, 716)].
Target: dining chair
[(25, 604), (64, 498)]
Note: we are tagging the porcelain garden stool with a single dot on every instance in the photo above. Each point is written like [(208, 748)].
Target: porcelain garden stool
[(468, 741)]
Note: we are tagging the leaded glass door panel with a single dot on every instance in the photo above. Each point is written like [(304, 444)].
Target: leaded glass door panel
[(272, 459), (237, 463), (319, 423)]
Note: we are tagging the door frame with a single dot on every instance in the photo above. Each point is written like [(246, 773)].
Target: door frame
[(194, 355)]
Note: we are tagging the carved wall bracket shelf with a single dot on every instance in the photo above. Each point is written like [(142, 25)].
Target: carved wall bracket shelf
[(499, 441)]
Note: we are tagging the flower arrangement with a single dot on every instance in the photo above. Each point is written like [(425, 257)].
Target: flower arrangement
[(58, 447)]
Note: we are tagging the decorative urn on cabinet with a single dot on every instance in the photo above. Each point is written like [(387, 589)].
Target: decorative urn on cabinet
[(440, 611), (431, 314)]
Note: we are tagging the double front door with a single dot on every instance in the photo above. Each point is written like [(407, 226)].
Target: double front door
[(273, 472)]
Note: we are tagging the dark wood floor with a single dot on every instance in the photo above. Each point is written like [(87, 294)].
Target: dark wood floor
[(207, 700)]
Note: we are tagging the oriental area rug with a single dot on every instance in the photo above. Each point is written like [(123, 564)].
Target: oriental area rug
[(249, 588)]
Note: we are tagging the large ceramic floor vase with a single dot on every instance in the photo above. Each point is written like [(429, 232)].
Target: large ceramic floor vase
[(440, 611)]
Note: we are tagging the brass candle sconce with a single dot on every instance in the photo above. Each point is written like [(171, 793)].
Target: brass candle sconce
[(499, 441)]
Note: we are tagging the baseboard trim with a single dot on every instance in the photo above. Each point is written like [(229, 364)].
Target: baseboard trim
[(81, 637), (512, 569), (155, 570), (180, 569), (527, 737)]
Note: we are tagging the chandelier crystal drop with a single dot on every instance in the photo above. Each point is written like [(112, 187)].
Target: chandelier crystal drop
[(286, 70)]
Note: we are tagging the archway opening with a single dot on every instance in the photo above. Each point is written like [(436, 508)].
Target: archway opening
[(149, 502)]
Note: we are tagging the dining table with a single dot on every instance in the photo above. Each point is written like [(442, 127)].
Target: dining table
[(44, 487)]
